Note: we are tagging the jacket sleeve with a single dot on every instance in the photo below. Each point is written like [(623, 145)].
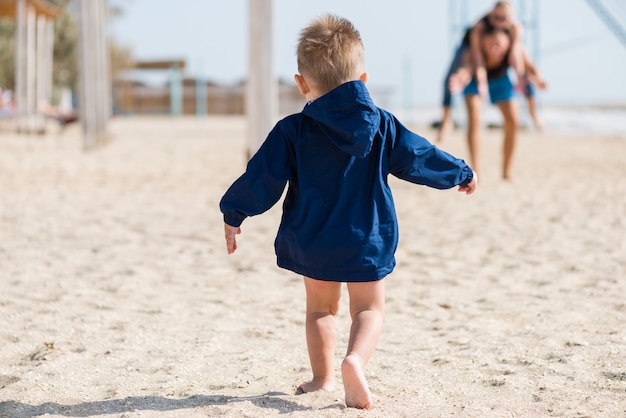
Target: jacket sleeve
[(415, 159), (263, 182)]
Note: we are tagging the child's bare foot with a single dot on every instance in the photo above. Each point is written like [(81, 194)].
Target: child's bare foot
[(357, 392), (315, 385)]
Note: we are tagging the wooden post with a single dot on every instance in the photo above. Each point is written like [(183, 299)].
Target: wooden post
[(94, 103), (176, 90), (20, 65), (201, 93), (262, 86), (103, 83), (87, 94), (49, 57), (31, 69), (41, 70)]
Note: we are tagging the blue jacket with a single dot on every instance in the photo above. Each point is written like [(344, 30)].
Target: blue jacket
[(339, 221)]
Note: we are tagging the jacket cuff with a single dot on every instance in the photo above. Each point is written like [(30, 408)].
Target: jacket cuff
[(234, 219), (467, 175)]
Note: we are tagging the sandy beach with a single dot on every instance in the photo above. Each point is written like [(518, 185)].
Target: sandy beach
[(117, 297)]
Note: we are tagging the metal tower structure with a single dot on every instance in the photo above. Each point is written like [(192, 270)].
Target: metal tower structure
[(607, 12), (528, 15), (458, 21)]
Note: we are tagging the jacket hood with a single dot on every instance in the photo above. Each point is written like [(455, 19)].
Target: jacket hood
[(347, 117)]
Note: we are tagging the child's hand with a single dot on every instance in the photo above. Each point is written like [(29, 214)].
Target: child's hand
[(229, 233), (471, 186), (459, 80), (520, 87)]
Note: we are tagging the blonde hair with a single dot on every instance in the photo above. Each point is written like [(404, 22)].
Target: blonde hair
[(503, 3), (330, 52)]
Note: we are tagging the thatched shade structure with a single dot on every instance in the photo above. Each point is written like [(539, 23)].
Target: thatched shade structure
[(33, 55), (8, 8)]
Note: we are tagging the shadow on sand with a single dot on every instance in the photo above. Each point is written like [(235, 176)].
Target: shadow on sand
[(270, 400)]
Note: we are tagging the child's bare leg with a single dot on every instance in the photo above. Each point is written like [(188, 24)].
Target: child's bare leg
[(533, 74), (322, 304), (367, 306), (444, 126), (517, 61)]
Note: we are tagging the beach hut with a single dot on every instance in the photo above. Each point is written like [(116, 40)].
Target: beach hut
[(33, 54)]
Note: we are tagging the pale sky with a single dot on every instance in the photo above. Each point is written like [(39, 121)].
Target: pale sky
[(408, 43)]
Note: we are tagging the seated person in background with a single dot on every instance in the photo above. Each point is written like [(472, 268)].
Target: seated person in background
[(53, 112), (6, 103)]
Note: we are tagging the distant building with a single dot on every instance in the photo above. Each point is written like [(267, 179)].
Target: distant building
[(134, 97)]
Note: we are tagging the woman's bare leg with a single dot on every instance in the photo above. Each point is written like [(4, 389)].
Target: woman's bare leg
[(474, 108), (510, 112)]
